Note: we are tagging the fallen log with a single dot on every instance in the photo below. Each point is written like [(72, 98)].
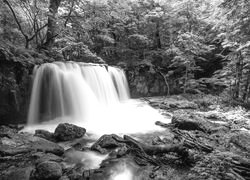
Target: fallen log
[(154, 149), (187, 139)]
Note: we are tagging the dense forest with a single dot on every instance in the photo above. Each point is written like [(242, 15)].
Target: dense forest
[(193, 44)]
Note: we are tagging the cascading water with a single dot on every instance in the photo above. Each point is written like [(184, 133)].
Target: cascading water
[(92, 96), (89, 95)]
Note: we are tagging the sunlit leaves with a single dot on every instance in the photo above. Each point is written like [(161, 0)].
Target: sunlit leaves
[(137, 41)]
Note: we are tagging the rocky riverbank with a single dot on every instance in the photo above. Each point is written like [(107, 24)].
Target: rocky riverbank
[(206, 140)]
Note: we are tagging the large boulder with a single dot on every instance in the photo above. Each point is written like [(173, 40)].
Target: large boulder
[(25, 143), (5, 131), (66, 132), (106, 143), (43, 157), (17, 174), (45, 134), (191, 121), (48, 170)]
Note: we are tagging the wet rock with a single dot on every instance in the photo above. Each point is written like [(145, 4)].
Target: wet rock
[(80, 144), (6, 131), (24, 143), (43, 157), (75, 176), (48, 171), (122, 151), (106, 143), (6, 150), (64, 178), (18, 174), (190, 121), (44, 145), (66, 132), (76, 172), (45, 134)]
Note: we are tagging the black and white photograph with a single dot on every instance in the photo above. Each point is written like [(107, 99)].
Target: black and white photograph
[(124, 89)]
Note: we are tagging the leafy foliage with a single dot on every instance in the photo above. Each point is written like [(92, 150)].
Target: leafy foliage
[(178, 39)]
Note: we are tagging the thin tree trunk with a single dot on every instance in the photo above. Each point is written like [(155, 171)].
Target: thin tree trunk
[(239, 68), (247, 94), (70, 12), (166, 82), (186, 79), (157, 35), (246, 89)]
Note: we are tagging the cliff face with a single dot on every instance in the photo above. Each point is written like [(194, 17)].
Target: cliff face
[(145, 82), (14, 92), (16, 68)]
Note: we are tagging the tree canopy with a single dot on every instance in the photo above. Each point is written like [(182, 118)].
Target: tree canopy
[(194, 41)]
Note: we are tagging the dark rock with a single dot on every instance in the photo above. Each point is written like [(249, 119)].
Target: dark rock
[(183, 104), (106, 143), (14, 87), (64, 178), (5, 131), (80, 144), (24, 143), (45, 134), (241, 140), (44, 145), (48, 171), (7, 150), (17, 127), (43, 157), (220, 129), (66, 132), (122, 151), (18, 174), (76, 172), (191, 121), (76, 176), (143, 82)]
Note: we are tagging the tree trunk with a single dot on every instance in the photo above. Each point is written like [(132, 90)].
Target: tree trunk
[(27, 41), (246, 89), (157, 35), (186, 79), (239, 68), (52, 21), (165, 80)]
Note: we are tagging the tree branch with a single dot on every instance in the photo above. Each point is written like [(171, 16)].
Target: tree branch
[(15, 17), (70, 12), (37, 31), (165, 79)]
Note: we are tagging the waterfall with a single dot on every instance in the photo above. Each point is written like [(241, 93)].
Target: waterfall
[(90, 95)]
